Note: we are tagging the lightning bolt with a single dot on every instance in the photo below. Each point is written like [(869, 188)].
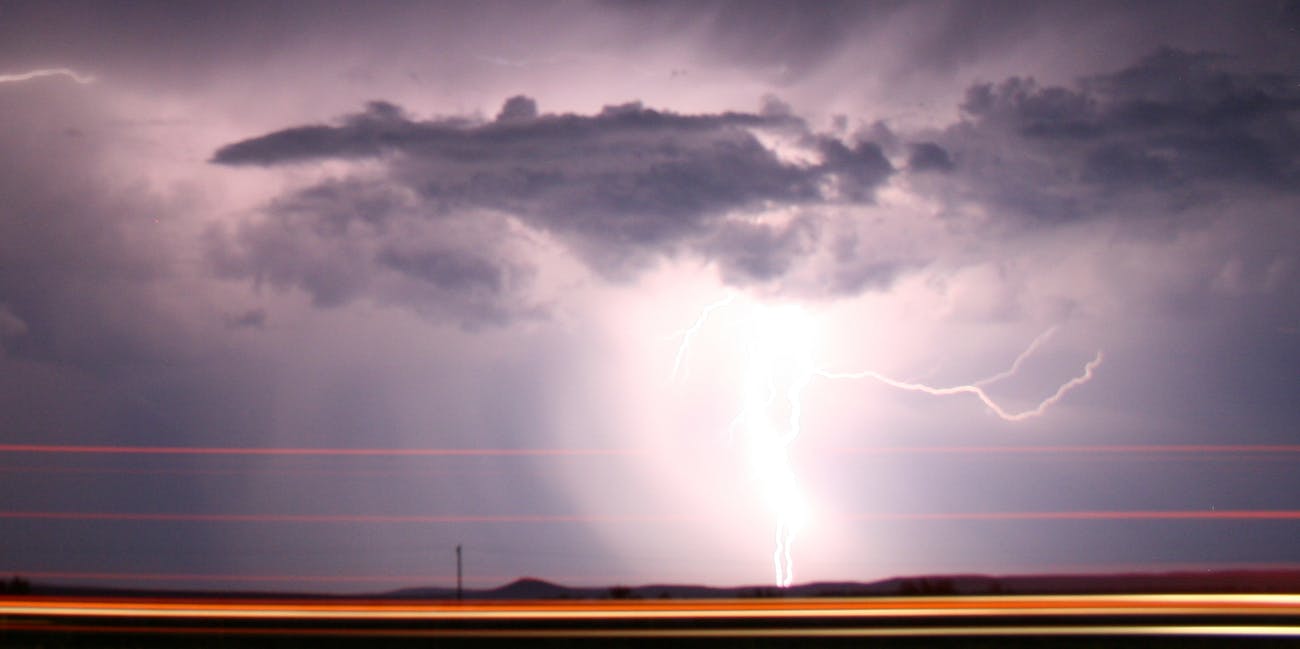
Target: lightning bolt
[(46, 72), (780, 346), (1015, 365), (779, 343), (977, 389), (688, 334), (779, 351)]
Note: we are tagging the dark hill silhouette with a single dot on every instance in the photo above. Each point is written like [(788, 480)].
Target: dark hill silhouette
[(1215, 582), (531, 588), (1238, 581)]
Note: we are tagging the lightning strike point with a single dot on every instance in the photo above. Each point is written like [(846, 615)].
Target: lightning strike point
[(780, 344)]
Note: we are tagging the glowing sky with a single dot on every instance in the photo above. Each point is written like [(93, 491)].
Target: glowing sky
[(469, 238)]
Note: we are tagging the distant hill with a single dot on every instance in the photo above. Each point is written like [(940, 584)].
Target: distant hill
[(1217, 582), (1243, 581)]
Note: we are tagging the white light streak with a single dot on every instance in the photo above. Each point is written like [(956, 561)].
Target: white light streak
[(688, 333), (975, 389), (780, 342), (46, 72), (1015, 365)]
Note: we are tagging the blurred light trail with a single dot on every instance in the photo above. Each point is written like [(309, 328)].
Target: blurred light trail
[(257, 470), (395, 452), (965, 616), (46, 72), (1214, 514), (875, 607), (240, 578), (1225, 449), (1218, 514), (208, 576), (340, 518), (1268, 451)]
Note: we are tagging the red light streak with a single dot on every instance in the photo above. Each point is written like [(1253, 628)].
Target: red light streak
[(338, 518), (1247, 514), (634, 452), (182, 576), (389, 452), (1143, 448), (1226, 514)]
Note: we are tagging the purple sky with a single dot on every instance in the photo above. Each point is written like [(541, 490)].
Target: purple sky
[(485, 226)]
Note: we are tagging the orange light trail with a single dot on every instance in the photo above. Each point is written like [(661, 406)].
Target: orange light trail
[(883, 607)]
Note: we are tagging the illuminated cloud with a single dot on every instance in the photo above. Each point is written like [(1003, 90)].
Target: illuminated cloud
[(630, 185), (625, 187)]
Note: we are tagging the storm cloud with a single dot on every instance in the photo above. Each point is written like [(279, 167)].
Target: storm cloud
[(762, 194), (483, 226), (1180, 125), (624, 187)]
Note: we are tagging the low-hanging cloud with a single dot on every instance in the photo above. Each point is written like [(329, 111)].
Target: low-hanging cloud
[(341, 240), (622, 188), (630, 185), (1176, 125)]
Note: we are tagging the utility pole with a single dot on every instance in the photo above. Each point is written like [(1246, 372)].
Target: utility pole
[(459, 591)]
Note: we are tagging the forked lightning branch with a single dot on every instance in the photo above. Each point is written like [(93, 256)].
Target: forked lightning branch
[(780, 344)]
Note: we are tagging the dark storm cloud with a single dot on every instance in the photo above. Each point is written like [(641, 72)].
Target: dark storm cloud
[(250, 319), (518, 133), (789, 41), (1176, 125), (754, 252), (76, 255), (857, 270), (630, 184), (936, 38), (95, 345), (343, 239), (928, 156), (793, 38), (622, 187)]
